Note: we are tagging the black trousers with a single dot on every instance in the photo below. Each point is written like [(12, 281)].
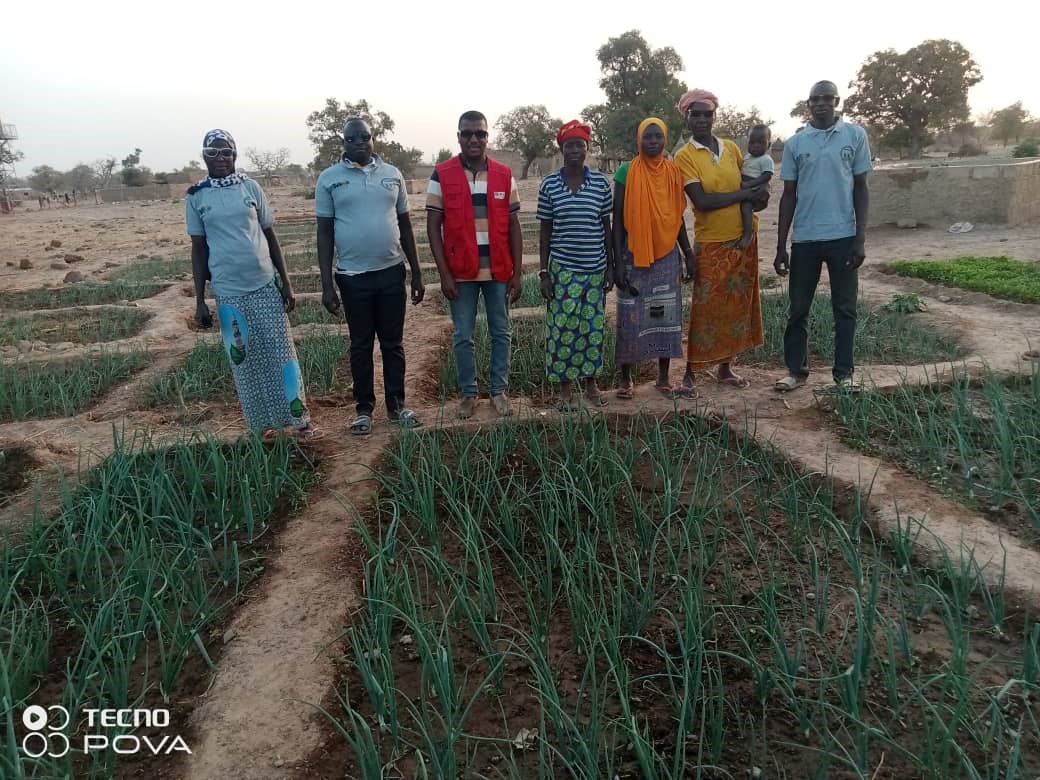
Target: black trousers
[(807, 261), (374, 304)]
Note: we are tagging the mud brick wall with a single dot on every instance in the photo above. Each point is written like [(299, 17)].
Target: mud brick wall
[(994, 193)]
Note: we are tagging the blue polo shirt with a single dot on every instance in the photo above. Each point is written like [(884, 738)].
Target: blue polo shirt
[(233, 220), (824, 162), (365, 202)]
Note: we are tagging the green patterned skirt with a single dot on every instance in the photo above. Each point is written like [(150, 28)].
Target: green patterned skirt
[(574, 325)]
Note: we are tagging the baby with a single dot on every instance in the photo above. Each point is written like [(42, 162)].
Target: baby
[(756, 171)]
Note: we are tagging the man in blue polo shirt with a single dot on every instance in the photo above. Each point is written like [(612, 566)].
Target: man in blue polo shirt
[(824, 172), (362, 210)]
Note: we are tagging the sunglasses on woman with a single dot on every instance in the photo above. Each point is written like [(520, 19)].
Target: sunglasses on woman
[(212, 152)]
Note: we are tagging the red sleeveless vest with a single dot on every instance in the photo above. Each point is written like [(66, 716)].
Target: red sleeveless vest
[(460, 239)]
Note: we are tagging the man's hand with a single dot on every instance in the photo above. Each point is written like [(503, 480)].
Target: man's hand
[(515, 289), (330, 300), (782, 263), (203, 318), (857, 255), (449, 287), (418, 289)]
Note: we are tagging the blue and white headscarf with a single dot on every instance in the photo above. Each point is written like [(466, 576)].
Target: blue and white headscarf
[(224, 181)]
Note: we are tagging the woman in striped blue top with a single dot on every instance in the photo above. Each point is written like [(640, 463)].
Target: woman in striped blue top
[(577, 266)]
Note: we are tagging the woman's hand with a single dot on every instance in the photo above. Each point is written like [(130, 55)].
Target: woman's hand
[(288, 299), (608, 278), (203, 318), (690, 264), (545, 286)]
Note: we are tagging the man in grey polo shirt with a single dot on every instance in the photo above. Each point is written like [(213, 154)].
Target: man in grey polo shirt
[(824, 172), (362, 211)]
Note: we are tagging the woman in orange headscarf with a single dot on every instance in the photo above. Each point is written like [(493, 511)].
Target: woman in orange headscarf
[(649, 232)]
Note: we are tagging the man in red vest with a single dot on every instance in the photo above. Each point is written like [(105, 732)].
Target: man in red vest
[(472, 221)]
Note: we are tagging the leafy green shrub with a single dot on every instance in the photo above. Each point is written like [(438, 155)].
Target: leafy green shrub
[(1028, 148), (1003, 277)]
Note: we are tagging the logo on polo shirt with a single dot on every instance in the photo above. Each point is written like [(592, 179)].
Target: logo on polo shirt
[(847, 153), (391, 184)]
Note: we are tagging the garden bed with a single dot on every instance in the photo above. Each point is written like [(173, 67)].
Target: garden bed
[(84, 294), (664, 599), (76, 326), (1003, 277)]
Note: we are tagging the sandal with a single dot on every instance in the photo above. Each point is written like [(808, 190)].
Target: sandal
[(733, 380), (270, 434), (625, 393), (361, 425), (309, 433), (789, 383), (406, 418), (687, 391), (667, 391), (596, 399)]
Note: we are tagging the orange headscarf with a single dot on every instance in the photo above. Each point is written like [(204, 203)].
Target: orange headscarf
[(654, 202)]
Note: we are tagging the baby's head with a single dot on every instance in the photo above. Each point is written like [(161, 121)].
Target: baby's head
[(758, 140)]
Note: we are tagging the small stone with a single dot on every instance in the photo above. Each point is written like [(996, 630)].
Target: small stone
[(945, 299), (279, 763), (71, 258), (55, 243), (58, 266), (907, 223), (229, 635), (25, 264), (25, 347), (754, 773), (72, 277), (810, 596), (406, 640)]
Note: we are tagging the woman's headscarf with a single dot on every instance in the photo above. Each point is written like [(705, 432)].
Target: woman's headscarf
[(223, 181), (573, 129), (654, 202), (697, 96)]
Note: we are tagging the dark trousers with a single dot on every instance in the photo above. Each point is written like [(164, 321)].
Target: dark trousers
[(374, 303), (807, 260)]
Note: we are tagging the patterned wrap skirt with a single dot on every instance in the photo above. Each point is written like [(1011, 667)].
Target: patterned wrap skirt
[(649, 324), (259, 346), (726, 310), (574, 324)]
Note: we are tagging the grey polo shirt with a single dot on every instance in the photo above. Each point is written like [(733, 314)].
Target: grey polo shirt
[(365, 202)]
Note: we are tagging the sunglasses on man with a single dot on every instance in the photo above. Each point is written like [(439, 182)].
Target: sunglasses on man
[(211, 153), (467, 134)]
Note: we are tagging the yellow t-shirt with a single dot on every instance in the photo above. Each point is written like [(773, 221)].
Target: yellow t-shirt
[(722, 174)]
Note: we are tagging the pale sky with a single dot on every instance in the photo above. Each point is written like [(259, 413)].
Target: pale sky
[(87, 80)]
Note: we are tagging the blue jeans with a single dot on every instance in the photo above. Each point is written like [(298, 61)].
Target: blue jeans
[(807, 260), (464, 319)]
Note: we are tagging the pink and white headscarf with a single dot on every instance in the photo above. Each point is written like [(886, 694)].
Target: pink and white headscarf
[(697, 96)]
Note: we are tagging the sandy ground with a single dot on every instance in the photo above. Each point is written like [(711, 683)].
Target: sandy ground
[(258, 719)]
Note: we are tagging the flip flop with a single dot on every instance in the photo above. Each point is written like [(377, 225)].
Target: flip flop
[(687, 392), (361, 425), (270, 434), (310, 433), (735, 380), (667, 391), (625, 393)]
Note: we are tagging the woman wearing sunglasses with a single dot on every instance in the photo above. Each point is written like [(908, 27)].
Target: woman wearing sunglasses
[(234, 246)]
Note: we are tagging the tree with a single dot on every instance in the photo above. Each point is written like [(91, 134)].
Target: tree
[(1009, 122), (45, 179), (81, 178), (594, 116), (326, 129), (638, 82), (268, 163), (530, 131), (132, 174), (909, 96), (731, 122), (801, 111), (443, 156), (404, 158), (103, 170)]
